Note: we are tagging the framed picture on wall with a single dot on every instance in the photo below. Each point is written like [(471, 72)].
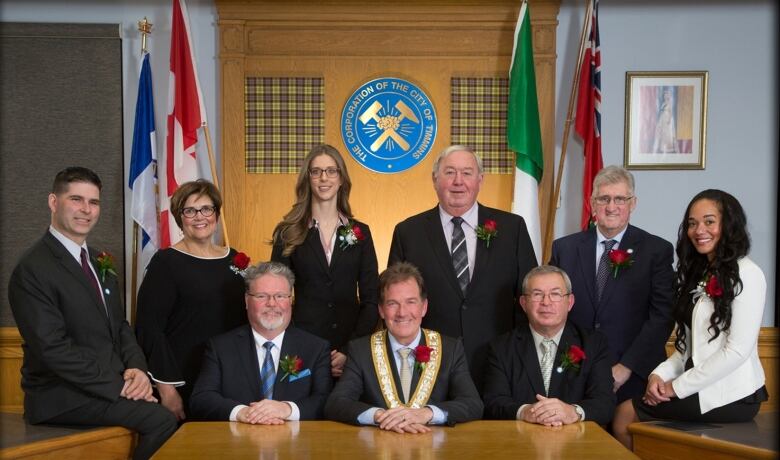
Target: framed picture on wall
[(666, 120)]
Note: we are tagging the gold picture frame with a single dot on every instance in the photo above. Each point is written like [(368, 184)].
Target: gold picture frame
[(666, 120)]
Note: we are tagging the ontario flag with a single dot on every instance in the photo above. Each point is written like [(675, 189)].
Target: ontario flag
[(186, 115), (588, 123)]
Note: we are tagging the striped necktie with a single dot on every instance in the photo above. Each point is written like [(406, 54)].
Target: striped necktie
[(405, 373), (460, 256), (268, 372)]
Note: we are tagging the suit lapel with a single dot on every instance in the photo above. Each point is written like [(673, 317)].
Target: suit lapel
[(338, 252), (247, 356), (483, 252), (526, 350), (568, 338), (314, 245), (71, 265), (438, 242), (586, 252), (629, 241)]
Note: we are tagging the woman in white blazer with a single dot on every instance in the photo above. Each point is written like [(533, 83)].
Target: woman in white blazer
[(715, 374)]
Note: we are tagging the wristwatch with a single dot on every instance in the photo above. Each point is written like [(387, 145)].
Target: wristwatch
[(580, 412)]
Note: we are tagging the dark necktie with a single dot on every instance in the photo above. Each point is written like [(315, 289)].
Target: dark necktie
[(603, 272), (91, 276), (268, 372), (460, 256)]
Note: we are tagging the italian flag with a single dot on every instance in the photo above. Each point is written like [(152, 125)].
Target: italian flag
[(523, 134)]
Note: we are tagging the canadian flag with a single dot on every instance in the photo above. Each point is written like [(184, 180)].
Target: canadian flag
[(186, 115)]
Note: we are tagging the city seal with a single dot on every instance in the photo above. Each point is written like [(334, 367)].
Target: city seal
[(388, 125)]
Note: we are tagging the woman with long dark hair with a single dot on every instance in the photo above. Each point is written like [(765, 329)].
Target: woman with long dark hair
[(331, 254), (714, 374)]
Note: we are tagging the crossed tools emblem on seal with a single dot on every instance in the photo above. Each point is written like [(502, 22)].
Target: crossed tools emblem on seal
[(388, 123)]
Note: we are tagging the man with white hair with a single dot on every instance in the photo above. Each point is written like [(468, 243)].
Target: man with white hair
[(472, 257)]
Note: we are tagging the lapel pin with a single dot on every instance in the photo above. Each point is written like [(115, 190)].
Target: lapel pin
[(107, 291)]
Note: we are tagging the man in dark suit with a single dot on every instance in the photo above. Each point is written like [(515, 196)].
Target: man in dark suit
[(404, 378), (472, 257), (264, 372), (629, 302), (82, 365), (549, 371)]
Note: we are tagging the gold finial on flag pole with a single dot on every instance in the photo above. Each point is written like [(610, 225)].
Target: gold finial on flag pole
[(145, 27)]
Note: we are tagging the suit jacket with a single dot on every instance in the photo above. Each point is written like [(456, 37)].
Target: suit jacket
[(326, 296), (358, 388), (230, 375), (728, 368), (635, 311), (514, 377), (490, 306), (73, 352)]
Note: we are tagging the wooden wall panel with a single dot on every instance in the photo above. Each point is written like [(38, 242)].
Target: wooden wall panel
[(349, 43)]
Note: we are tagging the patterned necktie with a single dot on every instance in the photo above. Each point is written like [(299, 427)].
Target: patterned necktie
[(460, 256), (406, 372), (268, 372), (547, 362), (91, 277), (603, 272)]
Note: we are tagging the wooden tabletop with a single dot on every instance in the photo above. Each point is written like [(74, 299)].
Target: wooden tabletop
[(756, 439), (493, 440)]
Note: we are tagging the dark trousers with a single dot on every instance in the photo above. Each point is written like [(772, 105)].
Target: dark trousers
[(153, 422)]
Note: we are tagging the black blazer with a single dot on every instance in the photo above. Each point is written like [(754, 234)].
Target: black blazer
[(326, 297), (635, 311), (357, 390), (230, 375), (73, 353), (514, 377), (491, 304)]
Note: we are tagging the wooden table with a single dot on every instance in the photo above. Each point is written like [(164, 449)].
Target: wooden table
[(750, 440), (493, 440), (21, 440)]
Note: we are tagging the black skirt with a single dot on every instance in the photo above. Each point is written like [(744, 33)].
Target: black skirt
[(689, 410)]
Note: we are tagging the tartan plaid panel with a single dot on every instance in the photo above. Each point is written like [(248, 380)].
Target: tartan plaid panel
[(285, 118), (479, 120)]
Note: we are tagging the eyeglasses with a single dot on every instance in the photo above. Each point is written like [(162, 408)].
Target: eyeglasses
[(604, 200), (538, 296), (330, 172), (205, 211), (263, 298)]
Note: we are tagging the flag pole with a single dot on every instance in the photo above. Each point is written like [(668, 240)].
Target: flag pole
[(145, 28), (214, 176), (553, 206)]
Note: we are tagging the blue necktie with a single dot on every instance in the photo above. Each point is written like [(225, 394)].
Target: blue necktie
[(268, 372)]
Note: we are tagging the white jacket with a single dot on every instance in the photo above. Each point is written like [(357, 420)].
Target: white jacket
[(728, 368)]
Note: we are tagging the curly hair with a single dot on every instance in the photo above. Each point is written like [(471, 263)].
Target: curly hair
[(692, 267), (292, 230)]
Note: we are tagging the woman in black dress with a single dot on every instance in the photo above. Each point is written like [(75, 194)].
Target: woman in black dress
[(715, 374), (331, 254), (191, 292)]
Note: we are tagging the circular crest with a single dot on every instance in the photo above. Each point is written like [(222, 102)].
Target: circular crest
[(388, 125)]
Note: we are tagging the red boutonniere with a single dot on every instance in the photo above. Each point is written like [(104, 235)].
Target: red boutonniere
[(290, 365), (487, 231), (713, 288), (105, 264), (240, 263), (422, 355), (619, 258), (350, 234), (572, 358)]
